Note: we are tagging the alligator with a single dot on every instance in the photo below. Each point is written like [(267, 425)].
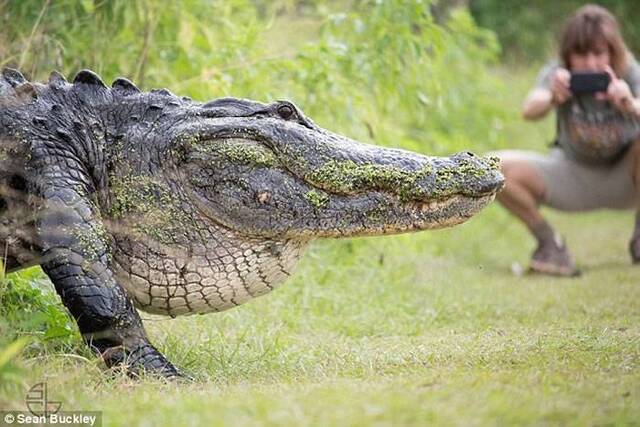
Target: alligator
[(130, 199)]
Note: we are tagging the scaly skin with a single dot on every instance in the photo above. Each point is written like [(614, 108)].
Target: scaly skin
[(176, 207)]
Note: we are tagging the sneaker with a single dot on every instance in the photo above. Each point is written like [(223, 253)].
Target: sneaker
[(553, 258)]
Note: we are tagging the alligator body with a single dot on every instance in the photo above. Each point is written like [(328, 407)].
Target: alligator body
[(145, 199)]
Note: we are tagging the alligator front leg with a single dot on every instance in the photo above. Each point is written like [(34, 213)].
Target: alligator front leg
[(78, 262)]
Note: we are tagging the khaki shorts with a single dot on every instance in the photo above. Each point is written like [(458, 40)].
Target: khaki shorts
[(575, 186)]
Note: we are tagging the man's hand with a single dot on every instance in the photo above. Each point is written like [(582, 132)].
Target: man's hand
[(540, 100), (560, 91), (619, 94)]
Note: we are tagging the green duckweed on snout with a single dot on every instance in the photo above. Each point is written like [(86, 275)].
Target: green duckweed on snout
[(317, 198), (348, 176), (464, 170)]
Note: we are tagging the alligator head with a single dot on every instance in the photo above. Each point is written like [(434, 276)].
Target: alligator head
[(205, 206), (269, 171)]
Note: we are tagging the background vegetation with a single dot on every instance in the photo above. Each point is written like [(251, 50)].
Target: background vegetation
[(436, 327), (528, 30)]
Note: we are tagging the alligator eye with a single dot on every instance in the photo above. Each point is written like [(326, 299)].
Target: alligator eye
[(285, 111)]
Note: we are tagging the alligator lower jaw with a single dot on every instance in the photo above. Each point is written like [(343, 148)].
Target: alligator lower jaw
[(408, 217), (453, 210), (432, 215)]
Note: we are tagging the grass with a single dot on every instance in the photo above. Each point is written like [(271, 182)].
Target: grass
[(430, 328)]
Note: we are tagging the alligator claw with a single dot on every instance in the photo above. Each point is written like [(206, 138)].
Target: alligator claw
[(141, 360)]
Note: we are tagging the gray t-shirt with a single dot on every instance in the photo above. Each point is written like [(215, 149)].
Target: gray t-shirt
[(592, 130)]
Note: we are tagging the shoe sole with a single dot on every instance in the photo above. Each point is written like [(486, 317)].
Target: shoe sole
[(553, 269)]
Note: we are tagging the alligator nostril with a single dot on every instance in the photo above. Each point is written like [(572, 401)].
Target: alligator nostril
[(464, 155)]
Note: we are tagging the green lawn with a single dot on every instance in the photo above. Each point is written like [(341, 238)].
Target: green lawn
[(416, 329)]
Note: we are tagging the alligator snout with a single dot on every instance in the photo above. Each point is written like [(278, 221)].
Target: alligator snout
[(410, 176), (464, 173)]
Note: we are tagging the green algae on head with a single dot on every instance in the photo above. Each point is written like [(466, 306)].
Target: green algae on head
[(317, 198), (347, 176), (461, 171), (239, 151)]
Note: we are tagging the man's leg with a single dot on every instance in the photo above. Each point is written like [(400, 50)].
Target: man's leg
[(523, 192), (634, 244)]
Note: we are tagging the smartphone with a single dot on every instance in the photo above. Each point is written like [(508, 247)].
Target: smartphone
[(589, 82)]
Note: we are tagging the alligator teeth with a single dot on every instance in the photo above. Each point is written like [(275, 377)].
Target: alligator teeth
[(432, 206)]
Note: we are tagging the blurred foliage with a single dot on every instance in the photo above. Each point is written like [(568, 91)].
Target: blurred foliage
[(32, 321), (28, 306), (11, 372), (379, 71), (529, 30)]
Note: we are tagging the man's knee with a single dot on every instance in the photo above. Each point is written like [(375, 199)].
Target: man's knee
[(521, 174), (515, 171)]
